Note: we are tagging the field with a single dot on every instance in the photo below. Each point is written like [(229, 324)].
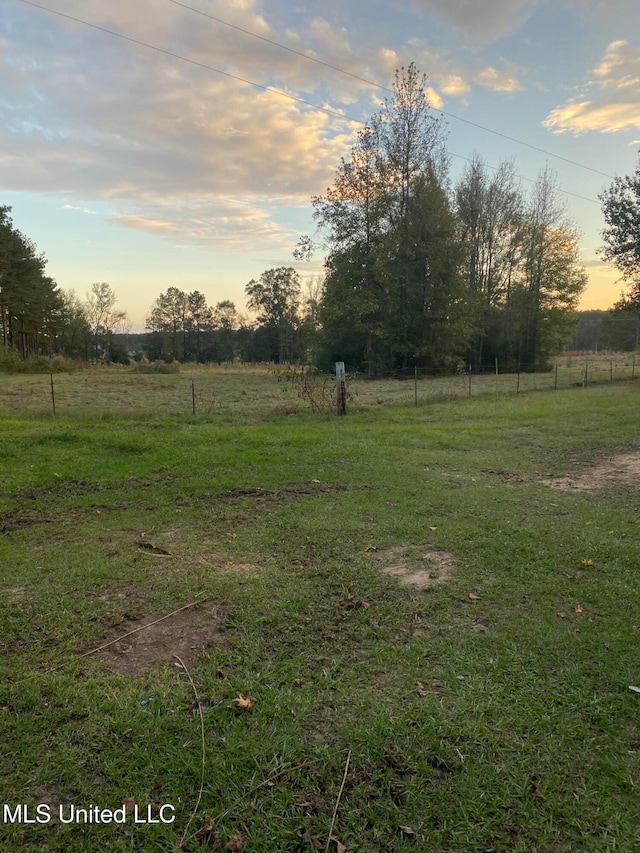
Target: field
[(410, 629)]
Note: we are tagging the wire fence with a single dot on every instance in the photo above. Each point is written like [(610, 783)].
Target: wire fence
[(255, 391)]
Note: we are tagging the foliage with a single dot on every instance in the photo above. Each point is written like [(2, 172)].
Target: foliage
[(416, 275), (29, 299), (275, 297), (318, 389), (104, 318), (621, 208), (143, 365)]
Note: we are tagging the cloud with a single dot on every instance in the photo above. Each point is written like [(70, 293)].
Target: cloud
[(488, 20), (162, 141), (610, 103), (499, 81)]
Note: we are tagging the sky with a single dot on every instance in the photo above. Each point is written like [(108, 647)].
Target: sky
[(179, 144)]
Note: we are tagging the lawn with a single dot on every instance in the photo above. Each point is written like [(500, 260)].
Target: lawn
[(409, 629)]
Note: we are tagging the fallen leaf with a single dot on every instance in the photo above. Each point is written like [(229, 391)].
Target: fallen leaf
[(235, 842), (392, 503), (437, 683), (349, 584), (535, 790), (586, 562), (129, 803), (420, 689), (475, 597), (460, 677), (340, 848), (371, 548), (374, 623), (578, 608), (635, 689), (243, 702), (315, 481), (433, 528), (205, 830), (406, 830), (561, 614)]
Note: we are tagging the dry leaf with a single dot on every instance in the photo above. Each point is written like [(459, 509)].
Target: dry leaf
[(420, 689), (535, 790), (235, 842), (635, 689), (578, 608), (370, 549), (406, 830), (433, 528), (129, 803), (475, 597), (205, 830), (349, 584), (437, 683), (561, 614), (340, 848), (243, 702), (586, 562)]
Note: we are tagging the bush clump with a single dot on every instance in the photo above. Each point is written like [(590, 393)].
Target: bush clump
[(12, 362), (146, 366)]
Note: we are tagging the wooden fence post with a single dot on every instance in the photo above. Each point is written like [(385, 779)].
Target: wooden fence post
[(341, 388), (53, 396)]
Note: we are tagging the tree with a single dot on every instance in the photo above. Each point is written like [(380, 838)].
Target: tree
[(393, 285), (168, 314), (28, 298), (621, 208), (104, 317), (73, 334), (275, 297), (490, 212)]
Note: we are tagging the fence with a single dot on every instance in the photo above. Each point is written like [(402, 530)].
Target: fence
[(256, 392)]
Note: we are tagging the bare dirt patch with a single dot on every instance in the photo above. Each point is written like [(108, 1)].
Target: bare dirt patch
[(417, 566), (186, 635), (618, 469), (511, 478)]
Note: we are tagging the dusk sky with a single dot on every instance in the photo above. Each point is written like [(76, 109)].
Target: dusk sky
[(128, 165)]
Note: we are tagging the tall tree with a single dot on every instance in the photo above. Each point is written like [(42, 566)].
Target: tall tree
[(169, 315), (393, 264), (103, 316), (28, 298), (621, 207), (275, 297)]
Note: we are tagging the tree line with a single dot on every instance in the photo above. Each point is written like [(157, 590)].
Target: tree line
[(418, 271)]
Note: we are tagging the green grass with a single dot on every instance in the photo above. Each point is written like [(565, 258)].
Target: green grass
[(471, 724)]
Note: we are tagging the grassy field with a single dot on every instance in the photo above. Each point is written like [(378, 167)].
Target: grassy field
[(410, 629), (244, 391)]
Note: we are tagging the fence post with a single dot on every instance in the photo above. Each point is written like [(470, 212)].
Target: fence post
[(341, 388), (193, 396), (415, 385), (496, 375), (611, 371), (518, 380), (555, 383), (633, 367), (53, 396), (585, 375), (469, 381)]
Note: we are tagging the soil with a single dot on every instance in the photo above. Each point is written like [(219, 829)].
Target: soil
[(619, 468), (414, 566), (186, 635)]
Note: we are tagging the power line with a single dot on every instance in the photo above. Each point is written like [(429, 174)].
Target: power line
[(387, 89), (265, 88)]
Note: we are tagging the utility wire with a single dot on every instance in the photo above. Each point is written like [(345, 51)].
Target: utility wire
[(386, 88), (265, 88)]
